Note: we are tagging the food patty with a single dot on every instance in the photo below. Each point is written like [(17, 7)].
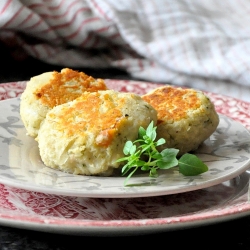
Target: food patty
[(45, 91), (185, 117), (87, 135)]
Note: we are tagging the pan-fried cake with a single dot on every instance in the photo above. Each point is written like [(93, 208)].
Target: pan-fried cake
[(186, 117), (45, 91), (87, 135)]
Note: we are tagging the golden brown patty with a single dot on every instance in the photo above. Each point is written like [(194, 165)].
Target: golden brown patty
[(45, 91), (87, 136), (186, 117)]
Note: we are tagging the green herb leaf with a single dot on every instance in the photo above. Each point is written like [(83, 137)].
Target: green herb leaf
[(151, 132), (190, 165), (168, 158)]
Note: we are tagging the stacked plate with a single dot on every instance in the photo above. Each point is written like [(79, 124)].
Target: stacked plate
[(36, 197)]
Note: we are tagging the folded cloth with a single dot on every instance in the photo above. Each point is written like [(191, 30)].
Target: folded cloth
[(200, 44)]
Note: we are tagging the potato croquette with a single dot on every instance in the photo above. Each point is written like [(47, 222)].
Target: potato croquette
[(45, 91), (87, 135), (185, 117)]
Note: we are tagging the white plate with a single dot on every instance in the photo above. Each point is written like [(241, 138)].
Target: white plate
[(226, 154), (114, 216)]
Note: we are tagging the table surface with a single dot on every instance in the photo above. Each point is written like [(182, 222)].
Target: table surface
[(234, 233)]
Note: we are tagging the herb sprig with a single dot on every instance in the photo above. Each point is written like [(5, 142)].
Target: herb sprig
[(143, 154)]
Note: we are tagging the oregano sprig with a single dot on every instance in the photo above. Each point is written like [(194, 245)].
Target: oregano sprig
[(143, 154)]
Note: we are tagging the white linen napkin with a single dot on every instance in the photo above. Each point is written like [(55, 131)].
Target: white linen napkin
[(204, 44)]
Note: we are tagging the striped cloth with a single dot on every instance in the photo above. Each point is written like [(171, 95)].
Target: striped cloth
[(204, 44)]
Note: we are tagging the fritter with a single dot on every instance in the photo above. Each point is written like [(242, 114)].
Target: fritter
[(45, 91), (87, 135), (185, 117)]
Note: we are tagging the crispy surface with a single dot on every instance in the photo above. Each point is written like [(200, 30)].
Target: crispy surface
[(173, 103), (66, 86), (97, 113)]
